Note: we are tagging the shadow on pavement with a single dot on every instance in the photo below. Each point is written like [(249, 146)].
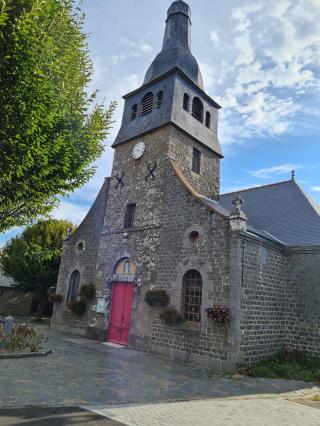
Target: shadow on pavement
[(40, 416)]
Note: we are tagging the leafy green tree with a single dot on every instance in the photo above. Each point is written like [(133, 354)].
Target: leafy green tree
[(32, 259), (51, 129)]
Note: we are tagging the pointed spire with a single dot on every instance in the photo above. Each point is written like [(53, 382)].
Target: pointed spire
[(176, 48), (178, 26)]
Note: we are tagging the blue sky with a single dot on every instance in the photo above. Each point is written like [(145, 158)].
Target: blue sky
[(260, 60)]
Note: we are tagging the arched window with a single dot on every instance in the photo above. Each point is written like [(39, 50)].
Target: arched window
[(192, 296), (186, 102), (208, 119), (147, 104), (74, 286), (159, 99), (134, 112), (197, 109)]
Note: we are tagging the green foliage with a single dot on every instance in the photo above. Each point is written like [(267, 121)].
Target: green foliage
[(87, 291), (23, 339), (51, 129), (32, 259), (288, 364), (171, 316), (78, 307), (157, 298)]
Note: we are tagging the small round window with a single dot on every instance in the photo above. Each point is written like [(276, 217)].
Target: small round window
[(80, 247), (194, 237)]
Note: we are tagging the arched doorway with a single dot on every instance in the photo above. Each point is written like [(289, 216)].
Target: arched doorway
[(122, 298)]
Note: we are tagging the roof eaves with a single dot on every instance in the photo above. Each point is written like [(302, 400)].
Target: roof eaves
[(203, 200)]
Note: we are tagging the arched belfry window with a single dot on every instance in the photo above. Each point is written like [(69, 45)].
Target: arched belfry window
[(208, 119), (74, 286), (147, 104), (134, 112), (197, 109), (192, 296), (186, 102), (160, 99)]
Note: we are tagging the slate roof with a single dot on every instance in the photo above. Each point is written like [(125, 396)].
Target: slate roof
[(282, 212)]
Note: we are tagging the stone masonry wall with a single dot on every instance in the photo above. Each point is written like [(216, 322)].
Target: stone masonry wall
[(88, 233), (207, 183), (263, 303), (303, 300), (205, 343)]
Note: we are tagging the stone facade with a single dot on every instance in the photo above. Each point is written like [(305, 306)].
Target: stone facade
[(271, 289)]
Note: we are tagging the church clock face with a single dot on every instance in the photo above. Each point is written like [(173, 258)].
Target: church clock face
[(138, 150)]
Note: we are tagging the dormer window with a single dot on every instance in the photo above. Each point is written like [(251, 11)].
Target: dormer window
[(147, 104), (159, 99), (197, 109), (134, 112), (208, 119), (186, 102)]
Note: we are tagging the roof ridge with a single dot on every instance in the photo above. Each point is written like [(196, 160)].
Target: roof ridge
[(257, 187)]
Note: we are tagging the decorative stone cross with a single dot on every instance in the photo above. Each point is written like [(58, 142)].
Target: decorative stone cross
[(237, 202)]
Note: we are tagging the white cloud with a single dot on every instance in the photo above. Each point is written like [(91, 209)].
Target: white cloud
[(70, 211), (272, 67), (315, 188), (214, 38), (268, 172), (145, 47), (207, 72)]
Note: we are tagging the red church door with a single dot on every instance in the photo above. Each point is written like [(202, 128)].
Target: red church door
[(120, 319)]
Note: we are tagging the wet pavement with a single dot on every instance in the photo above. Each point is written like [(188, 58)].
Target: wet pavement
[(83, 372)]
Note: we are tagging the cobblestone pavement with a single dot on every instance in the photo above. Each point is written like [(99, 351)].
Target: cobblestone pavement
[(84, 372), (226, 412)]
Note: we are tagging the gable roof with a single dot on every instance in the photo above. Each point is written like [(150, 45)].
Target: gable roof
[(281, 210)]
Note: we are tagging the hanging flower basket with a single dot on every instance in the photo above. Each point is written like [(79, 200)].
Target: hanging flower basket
[(219, 313), (157, 298), (78, 307), (171, 316), (88, 291)]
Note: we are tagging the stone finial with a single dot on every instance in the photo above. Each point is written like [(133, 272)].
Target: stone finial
[(238, 219), (293, 175), (237, 202)]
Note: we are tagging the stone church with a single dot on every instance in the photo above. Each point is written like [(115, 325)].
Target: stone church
[(160, 223)]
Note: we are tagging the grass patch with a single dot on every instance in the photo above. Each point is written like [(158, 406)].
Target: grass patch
[(288, 364)]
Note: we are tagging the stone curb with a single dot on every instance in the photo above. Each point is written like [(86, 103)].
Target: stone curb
[(16, 355)]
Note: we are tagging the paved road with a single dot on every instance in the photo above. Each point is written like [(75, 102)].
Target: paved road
[(136, 388), (216, 412), (85, 372)]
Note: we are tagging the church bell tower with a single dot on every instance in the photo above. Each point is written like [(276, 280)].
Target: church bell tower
[(173, 96)]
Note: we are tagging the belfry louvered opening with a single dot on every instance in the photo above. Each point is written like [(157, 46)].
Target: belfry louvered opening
[(186, 102), (197, 109), (208, 119), (160, 99), (134, 112), (147, 104)]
